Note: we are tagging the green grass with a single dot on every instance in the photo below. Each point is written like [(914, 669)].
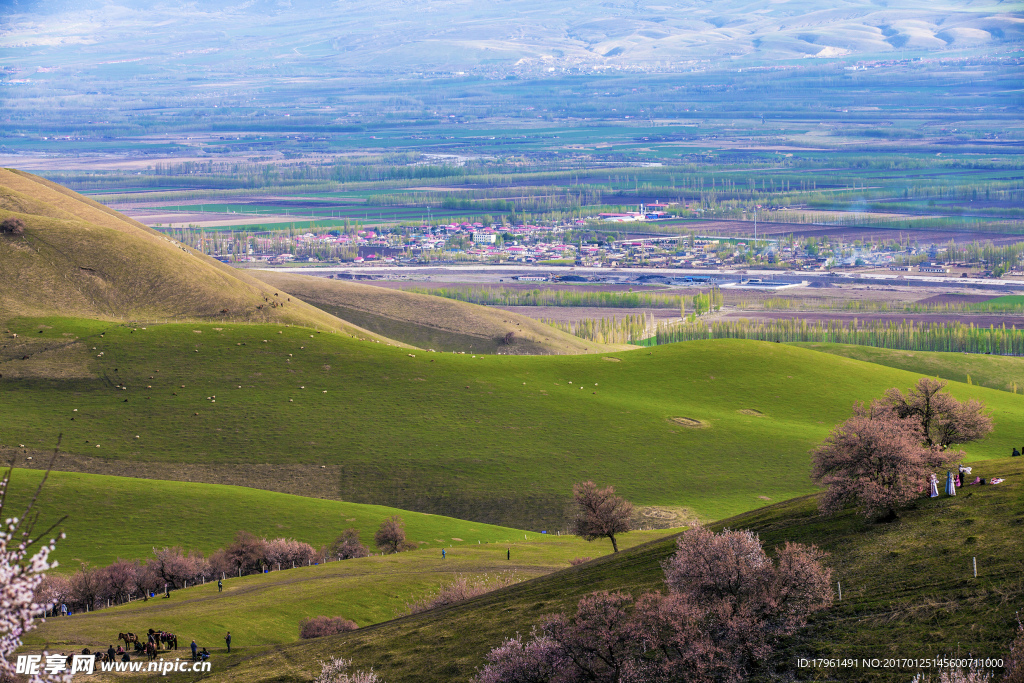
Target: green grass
[(266, 609), (1011, 299), (111, 517), (493, 438), (908, 592), (998, 372)]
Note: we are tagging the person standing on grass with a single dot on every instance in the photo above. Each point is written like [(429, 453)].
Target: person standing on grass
[(508, 554), (220, 585), (227, 639), (443, 555)]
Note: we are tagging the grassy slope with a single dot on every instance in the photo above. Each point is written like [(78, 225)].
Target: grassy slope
[(80, 258), (997, 372), (430, 322), (266, 609), (907, 592), (111, 517), (492, 438)]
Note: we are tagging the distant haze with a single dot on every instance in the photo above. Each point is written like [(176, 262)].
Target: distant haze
[(497, 39)]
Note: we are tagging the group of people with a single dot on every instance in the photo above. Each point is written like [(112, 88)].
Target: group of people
[(197, 654), (955, 481)]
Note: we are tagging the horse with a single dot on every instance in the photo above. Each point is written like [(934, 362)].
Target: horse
[(128, 638), (151, 651), (170, 640)]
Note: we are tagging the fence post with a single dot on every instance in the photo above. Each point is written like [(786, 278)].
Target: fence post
[(840, 586), (974, 561)]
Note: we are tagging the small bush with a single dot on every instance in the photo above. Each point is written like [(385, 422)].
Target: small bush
[(336, 671), (318, 627), (578, 560), (12, 226), (1015, 660), (462, 589)]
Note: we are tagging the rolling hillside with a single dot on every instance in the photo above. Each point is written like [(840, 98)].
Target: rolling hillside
[(112, 517), (430, 321), (523, 35), (704, 429), (908, 592), (1005, 373), (79, 258)]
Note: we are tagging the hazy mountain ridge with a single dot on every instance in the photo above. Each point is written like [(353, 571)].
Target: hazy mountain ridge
[(515, 35)]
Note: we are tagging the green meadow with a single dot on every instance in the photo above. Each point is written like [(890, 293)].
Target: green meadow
[(998, 372), (266, 609), (908, 592), (708, 428), (110, 517)]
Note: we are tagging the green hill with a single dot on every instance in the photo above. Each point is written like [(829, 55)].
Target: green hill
[(79, 258), (266, 609), (908, 592), (431, 322), (706, 429), (1005, 373), (112, 517)]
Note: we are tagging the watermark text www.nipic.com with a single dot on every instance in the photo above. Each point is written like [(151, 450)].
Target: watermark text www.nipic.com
[(86, 664), (898, 663)]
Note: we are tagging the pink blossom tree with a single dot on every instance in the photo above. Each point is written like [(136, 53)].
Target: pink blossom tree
[(599, 513), (348, 546), (944, 420), (21, 578), (876, 460), (727, 606), (390, 537)]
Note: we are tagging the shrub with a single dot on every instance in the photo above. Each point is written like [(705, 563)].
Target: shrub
[(1015, 660), (12, 226), (336, 671), (579, 560), (325, 626), (462, 589)]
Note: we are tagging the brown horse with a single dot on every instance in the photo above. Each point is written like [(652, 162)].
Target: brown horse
[(128, 638)]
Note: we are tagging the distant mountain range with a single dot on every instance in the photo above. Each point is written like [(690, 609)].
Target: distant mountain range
[(501, 37)]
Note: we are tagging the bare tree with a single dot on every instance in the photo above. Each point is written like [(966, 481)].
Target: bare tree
[(944, 420), (85, 587), (877, 461), (599, 513), (390, 537)]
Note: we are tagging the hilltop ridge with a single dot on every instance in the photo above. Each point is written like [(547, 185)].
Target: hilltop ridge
[(79, 258)]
